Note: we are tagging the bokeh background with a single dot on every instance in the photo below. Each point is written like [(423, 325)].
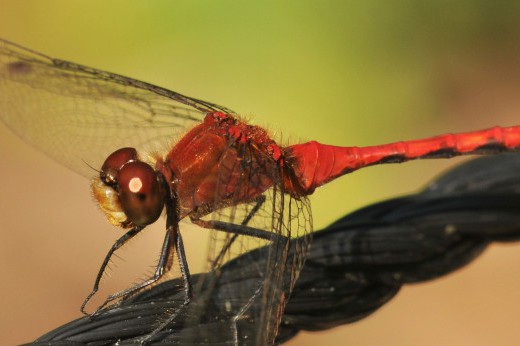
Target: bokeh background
[(340, 72)]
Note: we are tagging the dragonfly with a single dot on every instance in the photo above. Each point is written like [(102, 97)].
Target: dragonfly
[(217, 171)]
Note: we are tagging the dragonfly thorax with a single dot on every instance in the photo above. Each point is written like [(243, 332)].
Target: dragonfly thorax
[(129, 191)]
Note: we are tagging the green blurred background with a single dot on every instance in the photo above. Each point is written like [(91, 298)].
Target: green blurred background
[(340, 72)]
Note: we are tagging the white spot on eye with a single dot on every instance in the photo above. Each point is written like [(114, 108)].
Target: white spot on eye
[(135, 185)]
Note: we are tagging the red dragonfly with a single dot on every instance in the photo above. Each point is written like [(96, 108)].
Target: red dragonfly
[(222, 173)]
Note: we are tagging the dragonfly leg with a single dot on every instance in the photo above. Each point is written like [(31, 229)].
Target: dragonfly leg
[(164, 264), (187, 289), (259, 202), (241, 229), (237, 229), (120, 242)]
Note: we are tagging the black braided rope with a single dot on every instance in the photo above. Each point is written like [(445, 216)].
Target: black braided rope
[(355, 265)]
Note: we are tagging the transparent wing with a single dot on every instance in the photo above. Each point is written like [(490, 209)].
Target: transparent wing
[(285, 218), (79, 115)]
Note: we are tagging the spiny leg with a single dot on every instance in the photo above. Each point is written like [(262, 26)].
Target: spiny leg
[(259, 202), (241, 229), (238, 229), (183, 264), (162, 267), (120, 242)]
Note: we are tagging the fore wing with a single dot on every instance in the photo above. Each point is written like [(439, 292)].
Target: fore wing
[(79, 115)]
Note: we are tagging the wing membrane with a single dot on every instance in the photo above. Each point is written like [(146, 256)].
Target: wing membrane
[(79, 115)]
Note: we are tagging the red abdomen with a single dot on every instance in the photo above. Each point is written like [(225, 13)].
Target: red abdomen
[(315, 164)]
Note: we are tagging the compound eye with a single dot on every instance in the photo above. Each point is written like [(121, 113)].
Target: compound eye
[(114, 162), (141, 193)]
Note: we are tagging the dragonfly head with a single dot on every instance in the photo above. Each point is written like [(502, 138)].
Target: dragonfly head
[(129, 191)]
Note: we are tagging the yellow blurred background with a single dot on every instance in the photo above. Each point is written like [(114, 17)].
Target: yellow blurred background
[(340, 72)]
